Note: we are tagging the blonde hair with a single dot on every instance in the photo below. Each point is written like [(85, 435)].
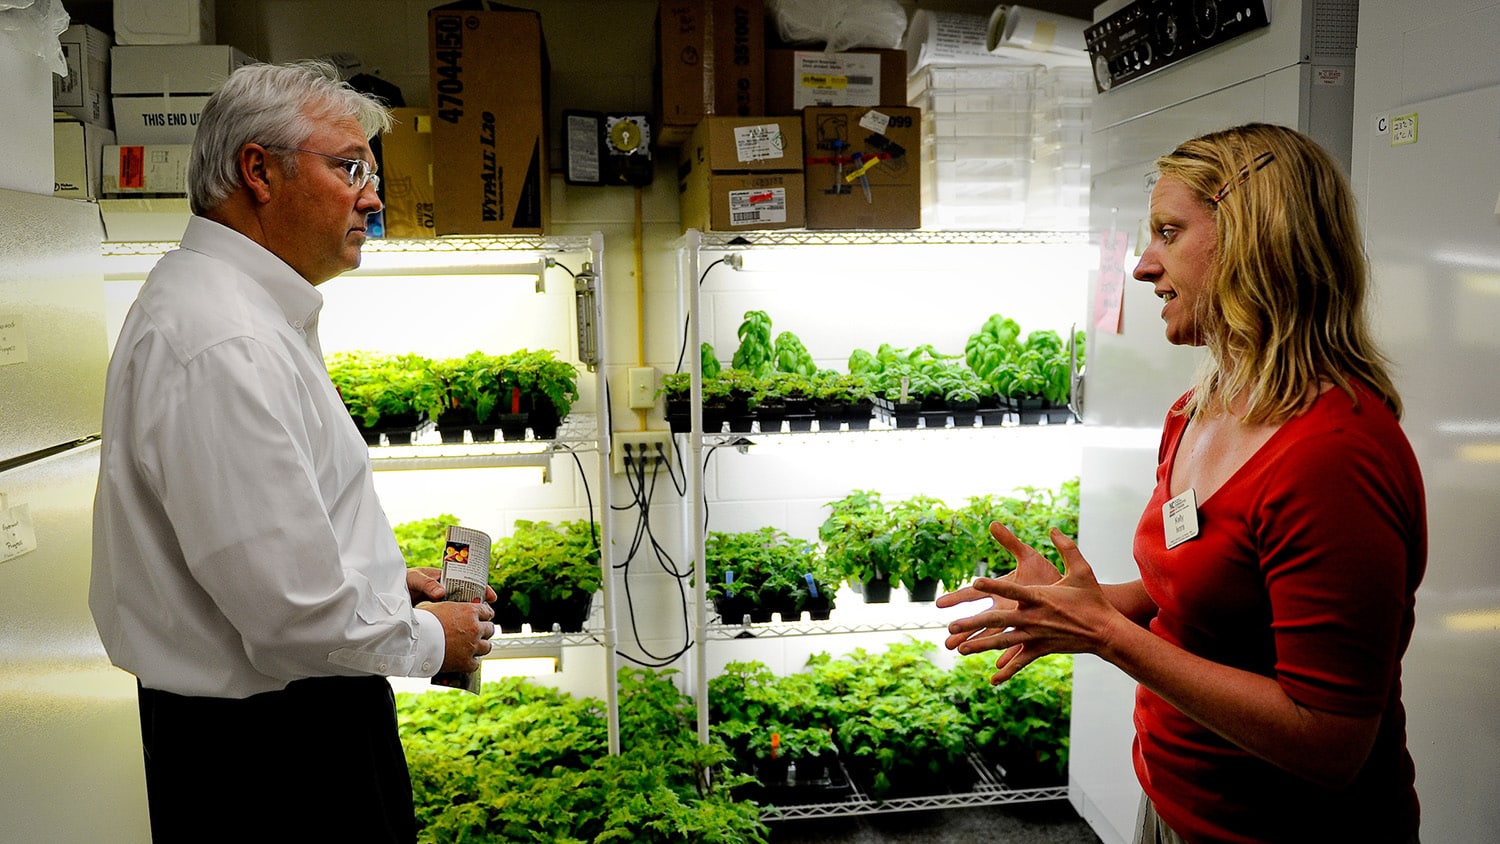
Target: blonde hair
[(1287, 303)]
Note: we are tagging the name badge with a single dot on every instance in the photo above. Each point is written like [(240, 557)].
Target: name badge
[(1180, 518)]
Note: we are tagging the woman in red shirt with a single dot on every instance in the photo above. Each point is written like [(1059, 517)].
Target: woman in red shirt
[(1286, 534)]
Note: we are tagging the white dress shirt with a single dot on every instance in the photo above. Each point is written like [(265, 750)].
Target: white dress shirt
[(238, 541)]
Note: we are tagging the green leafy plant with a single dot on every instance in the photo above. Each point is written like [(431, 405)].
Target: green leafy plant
[(756, 351), (422, 540), (545, 565), (765, 569), (377, 386), (791, 355), (926, 545), (857, 538), (1024, 721)]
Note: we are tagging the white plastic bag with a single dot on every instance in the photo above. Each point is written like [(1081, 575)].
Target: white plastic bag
[(33, 27), (841, 24)]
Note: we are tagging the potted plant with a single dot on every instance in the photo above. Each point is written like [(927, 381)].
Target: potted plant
[(1022, 726), (545, 386), (841, 399), (757, 573), (472, 387), (925, 547), (549, 572), (386, 394), (856, 538)]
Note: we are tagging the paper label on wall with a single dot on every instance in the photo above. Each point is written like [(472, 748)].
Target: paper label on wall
[(851, 79), (17, 536), (1109, 293), (1404, 129), (758, 205), (759, 143), (12, 340)]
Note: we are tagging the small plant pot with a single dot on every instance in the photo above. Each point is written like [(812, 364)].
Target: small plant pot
[(543, 420), (512, 426), (732, 610), (859, 414), (923, 591), (876, 591), (1030, 410)]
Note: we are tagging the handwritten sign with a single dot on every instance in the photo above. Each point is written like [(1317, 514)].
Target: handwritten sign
[(17, 536), (1109, 292)]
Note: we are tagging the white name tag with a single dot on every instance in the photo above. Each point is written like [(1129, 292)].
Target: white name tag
[(1180, 518)]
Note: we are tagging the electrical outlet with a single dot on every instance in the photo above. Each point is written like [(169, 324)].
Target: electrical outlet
[(642, 388), (640, 443)]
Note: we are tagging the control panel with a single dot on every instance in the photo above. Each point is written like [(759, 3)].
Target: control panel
[(1148, 35)]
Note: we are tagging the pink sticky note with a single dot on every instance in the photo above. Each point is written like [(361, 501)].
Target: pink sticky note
[(1109, 293)]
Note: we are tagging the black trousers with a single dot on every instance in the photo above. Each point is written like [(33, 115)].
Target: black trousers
[(319, 761)]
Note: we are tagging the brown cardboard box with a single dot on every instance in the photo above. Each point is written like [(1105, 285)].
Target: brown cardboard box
[(863, 167), (406, 173), (488, 72), (731, 202), (742, 174), (796, 79), (84, 92), (738, 144), (710, 59)]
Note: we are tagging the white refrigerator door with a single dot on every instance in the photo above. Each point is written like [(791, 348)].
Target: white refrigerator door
[(70, 735), (1133, 378), (1432, 213), (52, 336)]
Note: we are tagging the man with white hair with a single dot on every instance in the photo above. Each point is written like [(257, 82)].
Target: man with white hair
[(244, 570)]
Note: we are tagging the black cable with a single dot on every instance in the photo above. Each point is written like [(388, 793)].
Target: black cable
[(682, 352)]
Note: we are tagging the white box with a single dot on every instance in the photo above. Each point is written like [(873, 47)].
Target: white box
[(26, 130), (78, 154), (152, 170), (157, 120), (84, 93), (160, 219), (164, 21), (173, 69)]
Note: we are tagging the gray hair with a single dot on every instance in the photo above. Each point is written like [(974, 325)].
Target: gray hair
[(271, 104)]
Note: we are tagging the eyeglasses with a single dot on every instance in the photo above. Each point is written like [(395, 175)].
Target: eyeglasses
[(1244, 176), (361, 172)]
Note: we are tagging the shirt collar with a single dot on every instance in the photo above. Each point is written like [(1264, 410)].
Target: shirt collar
[(298, 300)]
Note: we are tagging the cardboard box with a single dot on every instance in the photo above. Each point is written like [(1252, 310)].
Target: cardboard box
[(84, 92), (159, 91), (173, 68), (406, 174), (742, 174), (141, 121), (863, 167), (155, 170), (796, 79), (742, 144), (77, 155), (164, 21), (710, 60), (731, 202), (489, 74)]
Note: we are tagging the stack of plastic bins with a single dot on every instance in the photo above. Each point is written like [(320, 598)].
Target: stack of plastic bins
[(976, 144), (1059, 195)]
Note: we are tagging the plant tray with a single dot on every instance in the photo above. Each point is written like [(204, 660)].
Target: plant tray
[(834, 787)]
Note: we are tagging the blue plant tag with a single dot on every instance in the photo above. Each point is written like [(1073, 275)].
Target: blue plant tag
[(812, 587), (729, 581)]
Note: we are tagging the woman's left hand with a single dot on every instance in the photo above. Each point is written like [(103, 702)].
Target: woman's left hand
[(1027, 621)]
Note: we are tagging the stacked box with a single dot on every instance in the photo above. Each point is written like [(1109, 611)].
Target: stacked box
[(742, 174), (406, 174), (159, 91), (77, 154), (84, 92), (862, 167), (710, 60), (488, 77), (1059, 193), (976, 143)]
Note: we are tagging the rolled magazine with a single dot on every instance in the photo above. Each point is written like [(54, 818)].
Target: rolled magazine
[(466, 574)]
